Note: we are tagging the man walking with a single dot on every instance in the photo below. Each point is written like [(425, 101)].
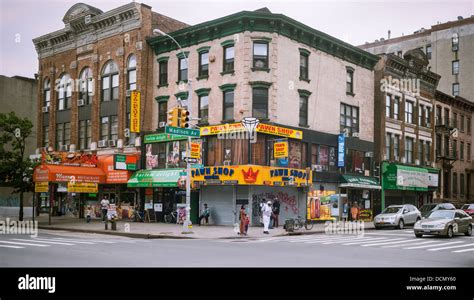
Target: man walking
[(266, 212), (105, 206), (205, 214), (276, 212)]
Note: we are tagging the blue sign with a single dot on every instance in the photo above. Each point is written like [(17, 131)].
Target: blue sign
[(282, 162), (340, 150)]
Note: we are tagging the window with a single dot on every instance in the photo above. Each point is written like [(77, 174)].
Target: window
[(438, 145), (462, 123), (396, 147), (228, 58), (182, 69), (85, 136), (63, 135), (304, 66), (388, 106), (349, 119), (260, 55), (428, 51), (461, 183), (388, 139), (228, 113), (455, 65), (396, 108), (455, 42), (455, 120), (110, 82), (427, 151), (468, 125), (455, 183), (64, 92), (428, 116), (446, 146), (204, 108), (409, 112), (350, 81), (421, 109), (204, 64), (455, 148), (163, 66), (47, 93), (455, 89), (303, 110), (132, 73), (399, 53), (260, 103), (163, 112), (461, 150), (468, 152), (446, 116), (45, 136), (438, 115), (314, 154), (409, 150), (86, 86), (109, 128), (420, 152)]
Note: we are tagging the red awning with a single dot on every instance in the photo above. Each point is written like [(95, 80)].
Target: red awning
[(52, 173)]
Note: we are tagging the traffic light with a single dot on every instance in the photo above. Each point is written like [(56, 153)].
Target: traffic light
[(173, 117), (183, 118)]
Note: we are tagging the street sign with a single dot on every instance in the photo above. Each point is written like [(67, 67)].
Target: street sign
[(182, 131), (190, 160)]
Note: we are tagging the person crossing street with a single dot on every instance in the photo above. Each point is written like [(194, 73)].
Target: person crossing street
[(267, 213)]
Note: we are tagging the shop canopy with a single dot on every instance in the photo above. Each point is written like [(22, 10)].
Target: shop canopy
[(155, 178), (53, 173), (361, 182)]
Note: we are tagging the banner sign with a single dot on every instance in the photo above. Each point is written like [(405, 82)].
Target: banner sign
[(163, 137), (195, 150), (261, 128), (135, 112), (125, 162), (280, 149), (82, 187), (69, 159), (340, 150), (41, 187)]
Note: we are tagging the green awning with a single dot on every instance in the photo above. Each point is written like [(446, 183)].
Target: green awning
[(361, 182), (401, 177), (155, 178)]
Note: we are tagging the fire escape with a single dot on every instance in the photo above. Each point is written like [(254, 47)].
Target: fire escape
[(447, 130)]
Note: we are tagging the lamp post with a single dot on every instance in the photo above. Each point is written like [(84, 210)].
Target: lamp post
[(187, 224)]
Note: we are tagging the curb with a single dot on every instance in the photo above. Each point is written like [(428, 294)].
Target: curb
[(126, 234)]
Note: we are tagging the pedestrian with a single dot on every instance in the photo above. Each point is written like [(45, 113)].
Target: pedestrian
[(266, 212), (247, 223), (206, 212), (355, 211), (345, 210), (276, 212), (242, 218), (88, 214), (105, 206)]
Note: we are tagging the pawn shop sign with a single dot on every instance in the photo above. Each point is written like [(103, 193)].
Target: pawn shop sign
[(280, 149), (195, 150), (135, 112)]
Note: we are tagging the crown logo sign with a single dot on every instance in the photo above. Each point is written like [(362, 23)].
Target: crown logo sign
[(250, 176)]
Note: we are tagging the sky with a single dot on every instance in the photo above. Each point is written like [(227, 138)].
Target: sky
[(355, 22)]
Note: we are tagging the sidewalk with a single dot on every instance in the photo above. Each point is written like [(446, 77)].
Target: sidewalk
[(173, 231)]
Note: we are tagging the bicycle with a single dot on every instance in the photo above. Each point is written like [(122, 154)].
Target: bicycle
[(300, 222), (136, 217), (171, 217)]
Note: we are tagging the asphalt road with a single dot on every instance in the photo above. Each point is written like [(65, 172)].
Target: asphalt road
[(386, 248)]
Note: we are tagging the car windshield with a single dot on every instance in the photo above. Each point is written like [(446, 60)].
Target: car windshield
[(392, 210), (468, 206), (427, 208), (444, 214)]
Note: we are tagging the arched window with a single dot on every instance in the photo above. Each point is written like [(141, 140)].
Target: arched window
[(47, 92), (86, 86), (132, 73), (64, 92), (110, 82)]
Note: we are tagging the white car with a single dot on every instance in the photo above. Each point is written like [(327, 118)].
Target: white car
[(397, 216)]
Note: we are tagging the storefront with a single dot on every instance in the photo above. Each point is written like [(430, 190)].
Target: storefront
[(226, 188), (403, 184), (361, 191)]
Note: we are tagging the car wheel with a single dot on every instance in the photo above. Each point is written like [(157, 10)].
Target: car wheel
[(419, 235), (469, 231), (450, 233), (401, 224)]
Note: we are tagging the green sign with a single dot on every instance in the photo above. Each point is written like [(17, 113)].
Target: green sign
[(155, 178), (163, 137), (125, 162), (92, 195), (183, 174), (401, 177), (183, 131), (360, 182)]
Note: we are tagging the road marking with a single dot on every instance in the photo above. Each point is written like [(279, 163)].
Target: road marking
[(341, 241), (365, 241), (329, 240), (401, 245), (464, 250), (457, 246), (8, 246), (26, 244), (425, 246), (41, 241), (379, 243), (71, 241)]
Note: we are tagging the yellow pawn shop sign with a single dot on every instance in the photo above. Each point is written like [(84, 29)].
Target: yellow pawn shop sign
[(195, 150), (280, 150), (135, 112)]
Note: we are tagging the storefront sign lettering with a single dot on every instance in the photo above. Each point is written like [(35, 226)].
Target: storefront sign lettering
[(261, 128), (135, 112)]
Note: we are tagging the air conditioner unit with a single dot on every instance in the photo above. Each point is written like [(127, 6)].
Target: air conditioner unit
[(355, 134), (129, 93), (45, 109), (137, 142), (94, 146), (404, 160), (417, 161), (72, 148), (427, 163), (112, 143), (317, 168), (64, 148), (227, 162), (81, 102), (102, 144), (385, 157), (119, 143), (161, 124), (396, 158)]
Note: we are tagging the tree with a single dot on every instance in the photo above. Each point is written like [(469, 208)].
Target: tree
[(15, 170)]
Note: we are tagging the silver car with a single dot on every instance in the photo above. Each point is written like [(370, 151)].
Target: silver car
[(445, 223), (397, 216)]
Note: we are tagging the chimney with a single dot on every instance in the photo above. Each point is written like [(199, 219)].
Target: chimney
[(389, 34)]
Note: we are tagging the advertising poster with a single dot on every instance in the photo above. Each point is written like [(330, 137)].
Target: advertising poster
[(365, 215), (319, 205), (151, 160)]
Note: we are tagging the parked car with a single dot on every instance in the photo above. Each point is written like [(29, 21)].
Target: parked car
[(469, 209), (397, 216), (445, 223), (428, 208)]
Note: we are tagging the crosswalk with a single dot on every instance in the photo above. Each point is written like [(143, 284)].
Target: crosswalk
[(41, 242), (403, 240)]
